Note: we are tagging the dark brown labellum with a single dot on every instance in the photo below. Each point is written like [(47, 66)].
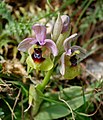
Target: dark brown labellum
[(73, 60), (37, 55)]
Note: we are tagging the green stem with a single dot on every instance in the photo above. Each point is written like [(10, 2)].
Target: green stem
[(45, 81)]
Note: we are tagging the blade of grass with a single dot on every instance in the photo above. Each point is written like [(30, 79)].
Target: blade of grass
[(92, 39), (10, 108), (81, 7), (83, 11), (90, 53)]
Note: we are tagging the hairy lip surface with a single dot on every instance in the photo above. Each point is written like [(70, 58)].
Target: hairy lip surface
[(37, 55), (73, 60)]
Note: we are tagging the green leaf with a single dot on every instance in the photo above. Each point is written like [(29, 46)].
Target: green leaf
[(37, 100), (52, 112), (67, 93), (59, 109), (34, 99)]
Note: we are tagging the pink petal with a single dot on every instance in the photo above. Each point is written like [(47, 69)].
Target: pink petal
[(26, 44), (69, 52), (51, 44), (67, 42), (40, 32)]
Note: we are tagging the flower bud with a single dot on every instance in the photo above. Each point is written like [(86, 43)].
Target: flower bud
[(57, 28), (65, 22)]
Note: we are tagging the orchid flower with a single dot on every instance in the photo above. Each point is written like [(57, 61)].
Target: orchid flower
[(69, 66), (39, 49)]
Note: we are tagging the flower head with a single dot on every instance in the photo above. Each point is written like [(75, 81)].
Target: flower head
[(39, 49), (69, 66)]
